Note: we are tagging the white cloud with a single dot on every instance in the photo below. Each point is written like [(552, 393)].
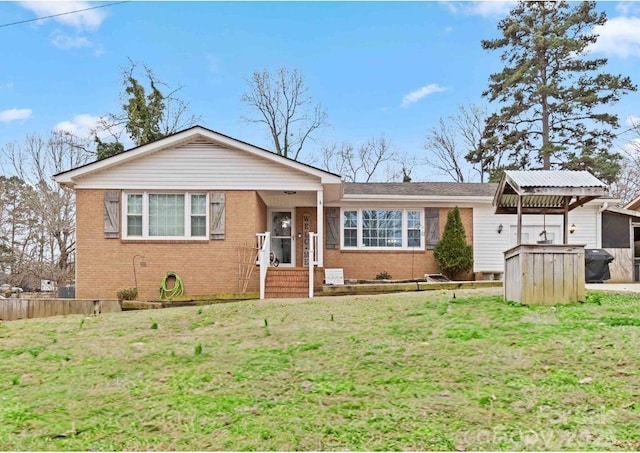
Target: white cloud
[(487, 9), (7, 86), (627, 8), (418, 94), (83, 126), (448, 29), (14, 114), (63, 41), (633, 121), (619, 36), (84, 20)]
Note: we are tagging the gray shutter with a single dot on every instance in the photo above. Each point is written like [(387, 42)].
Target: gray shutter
[(217, 223), (432, 216), (112, 214), (333, 228)]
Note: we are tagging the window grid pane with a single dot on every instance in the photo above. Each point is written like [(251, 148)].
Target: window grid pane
[(134, 214), (198, 215), (134, 204), (413, 228), (198, 226), (166, 215), (134, 225), (382, 228), (350, 223), (198, 204)]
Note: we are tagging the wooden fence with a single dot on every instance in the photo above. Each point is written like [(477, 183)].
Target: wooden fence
[(12, 309)]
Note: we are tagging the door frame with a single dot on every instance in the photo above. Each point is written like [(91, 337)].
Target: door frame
[(293, 232)]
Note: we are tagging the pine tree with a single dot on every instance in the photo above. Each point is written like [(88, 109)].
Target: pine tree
[(452, 253), (549, 91)]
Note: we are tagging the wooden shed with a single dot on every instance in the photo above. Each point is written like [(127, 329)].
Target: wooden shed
[(544, 273)]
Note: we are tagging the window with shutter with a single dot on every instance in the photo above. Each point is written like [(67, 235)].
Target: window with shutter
[(381, 229), (161, 216)]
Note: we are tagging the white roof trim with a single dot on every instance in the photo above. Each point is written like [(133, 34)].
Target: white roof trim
[(623, 211), (69, 177), (396, 197), (635, 202)]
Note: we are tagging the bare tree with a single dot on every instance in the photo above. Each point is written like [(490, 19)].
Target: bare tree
[(281, 102), (447, 155), (50, 243), (456, 142), (627, 185), (358, 164)]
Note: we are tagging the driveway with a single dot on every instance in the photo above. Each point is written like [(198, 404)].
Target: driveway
[(623, 287)]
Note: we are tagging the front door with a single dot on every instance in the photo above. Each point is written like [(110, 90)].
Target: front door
[(282, 236)]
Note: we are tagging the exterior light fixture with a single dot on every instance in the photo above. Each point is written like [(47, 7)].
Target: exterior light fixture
[(572, 228), (500, 228), (290, 192)]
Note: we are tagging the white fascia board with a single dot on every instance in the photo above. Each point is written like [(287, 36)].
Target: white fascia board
[(417, 198), (68, 178)]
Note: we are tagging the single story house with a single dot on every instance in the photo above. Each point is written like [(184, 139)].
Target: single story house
[(197, 202)]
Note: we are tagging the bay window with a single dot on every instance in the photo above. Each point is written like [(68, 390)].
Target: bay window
[(382, 229), (165, 215)]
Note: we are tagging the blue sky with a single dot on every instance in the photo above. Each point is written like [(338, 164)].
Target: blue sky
[(377, 67)]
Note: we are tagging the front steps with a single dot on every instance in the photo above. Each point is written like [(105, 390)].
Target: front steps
[(287, 282)]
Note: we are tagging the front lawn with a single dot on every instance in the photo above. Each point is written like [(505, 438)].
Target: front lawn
[(410, 371)]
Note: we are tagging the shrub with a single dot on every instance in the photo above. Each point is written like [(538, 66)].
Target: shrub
[(452, 253), (384, 275), (128, 294)]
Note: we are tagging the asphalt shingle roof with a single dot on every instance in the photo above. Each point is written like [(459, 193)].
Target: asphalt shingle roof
[(466, 189)]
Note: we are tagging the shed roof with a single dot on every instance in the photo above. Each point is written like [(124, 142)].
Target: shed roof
[(546, 191)]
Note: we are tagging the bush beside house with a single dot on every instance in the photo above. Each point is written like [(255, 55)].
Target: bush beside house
[(453, 255)]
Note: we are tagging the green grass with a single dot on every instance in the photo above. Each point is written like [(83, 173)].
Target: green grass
[(410, 371)]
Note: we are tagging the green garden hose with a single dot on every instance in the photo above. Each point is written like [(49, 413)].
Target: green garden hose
[(170, 293)]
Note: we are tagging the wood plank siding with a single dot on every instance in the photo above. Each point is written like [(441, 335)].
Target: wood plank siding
[(544, 274)]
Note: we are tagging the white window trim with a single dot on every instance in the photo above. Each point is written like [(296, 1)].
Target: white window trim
[(145, 215), (405, 230)]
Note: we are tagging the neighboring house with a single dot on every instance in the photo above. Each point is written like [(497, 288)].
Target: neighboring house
[(193, 203)]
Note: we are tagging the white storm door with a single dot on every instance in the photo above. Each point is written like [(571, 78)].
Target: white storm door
[(282, 236)]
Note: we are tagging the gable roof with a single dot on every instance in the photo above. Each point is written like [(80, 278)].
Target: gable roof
[(180, 138), (444, 189), (546, 191)]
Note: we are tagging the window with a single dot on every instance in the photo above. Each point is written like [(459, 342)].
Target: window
[(350, 229), (414, 228), (166, 215), (198, 215), (382, 229), (134, 214)]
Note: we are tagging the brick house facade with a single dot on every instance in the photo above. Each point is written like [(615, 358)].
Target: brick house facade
[(189, 203)]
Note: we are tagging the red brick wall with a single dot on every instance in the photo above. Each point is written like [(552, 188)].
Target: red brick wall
[(104, 266), (366, 264)]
